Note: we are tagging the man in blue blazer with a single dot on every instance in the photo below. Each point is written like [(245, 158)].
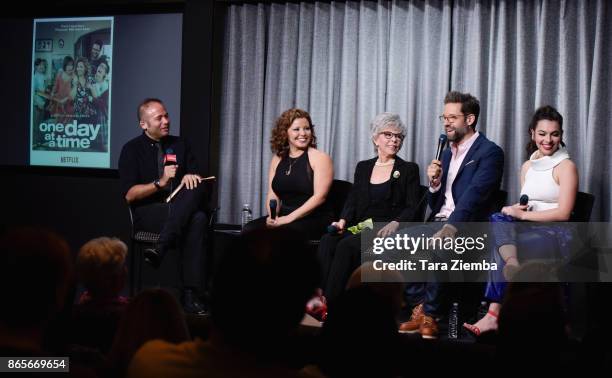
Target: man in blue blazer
[(461, 189)]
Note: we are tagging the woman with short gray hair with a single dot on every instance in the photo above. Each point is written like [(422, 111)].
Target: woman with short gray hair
[(385, 190)]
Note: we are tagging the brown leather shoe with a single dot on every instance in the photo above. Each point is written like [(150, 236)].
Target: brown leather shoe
[(429, 328), (414, 324)]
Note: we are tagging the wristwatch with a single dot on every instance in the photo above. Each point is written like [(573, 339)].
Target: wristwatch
[(157, 184)]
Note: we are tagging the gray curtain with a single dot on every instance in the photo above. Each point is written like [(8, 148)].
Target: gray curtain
[(345, 62), (518, 56)]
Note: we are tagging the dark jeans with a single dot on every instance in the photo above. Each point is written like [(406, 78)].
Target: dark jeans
[(180, 223), (427, 293)]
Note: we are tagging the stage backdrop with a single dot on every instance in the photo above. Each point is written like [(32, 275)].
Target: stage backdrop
[(345, 62)]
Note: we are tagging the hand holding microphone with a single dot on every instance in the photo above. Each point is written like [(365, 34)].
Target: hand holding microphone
[(336, 227), (434, 170), (170, 167), (169, 174), (517, 210)]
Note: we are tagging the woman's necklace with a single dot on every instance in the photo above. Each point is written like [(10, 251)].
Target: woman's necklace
[(292, 161), (379, 164)]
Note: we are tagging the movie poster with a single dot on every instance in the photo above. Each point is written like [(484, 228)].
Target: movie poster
[(71, 92)]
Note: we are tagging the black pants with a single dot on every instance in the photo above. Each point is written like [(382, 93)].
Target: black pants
[(310, 227), (182, 224), (339, 256)]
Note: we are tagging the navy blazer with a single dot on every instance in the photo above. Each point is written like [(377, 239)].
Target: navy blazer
[(404, 193), (477, 180)]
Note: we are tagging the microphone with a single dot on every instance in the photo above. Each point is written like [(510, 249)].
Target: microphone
[(523, 200), (441, 144), (170, 157), (331, 229), (273, 204)]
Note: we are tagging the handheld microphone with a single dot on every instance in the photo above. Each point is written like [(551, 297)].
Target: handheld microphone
[(441, 144), (524, 200), (170, 157), (273, 205), (331, 229)]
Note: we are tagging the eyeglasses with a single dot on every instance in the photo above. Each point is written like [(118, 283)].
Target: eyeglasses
[(389, 135), (451, 118)]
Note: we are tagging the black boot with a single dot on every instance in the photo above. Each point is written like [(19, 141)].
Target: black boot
[(191, 303)]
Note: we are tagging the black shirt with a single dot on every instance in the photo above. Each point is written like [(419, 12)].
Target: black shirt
[(138, 163)]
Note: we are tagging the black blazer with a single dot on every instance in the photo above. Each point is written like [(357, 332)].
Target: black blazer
[(403, 195)]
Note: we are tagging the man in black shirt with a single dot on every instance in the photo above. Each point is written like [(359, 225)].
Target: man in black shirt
[(151, 166)]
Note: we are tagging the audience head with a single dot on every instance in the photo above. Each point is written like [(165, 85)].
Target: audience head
[(35, 275), (152, 314), (461, 112), (388, 133), (545, 131), (261, 288), (387, 284), (360, 323), (101, 266), (533, 311), (288, 131)]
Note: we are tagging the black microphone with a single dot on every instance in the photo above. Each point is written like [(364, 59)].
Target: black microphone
[(331, 229), (441, 144), (523, 200), (273, 204)]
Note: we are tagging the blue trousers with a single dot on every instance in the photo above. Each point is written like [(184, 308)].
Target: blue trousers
[(531, 240)]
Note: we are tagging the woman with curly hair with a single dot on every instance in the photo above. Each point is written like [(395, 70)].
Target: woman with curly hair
[(299, 178)]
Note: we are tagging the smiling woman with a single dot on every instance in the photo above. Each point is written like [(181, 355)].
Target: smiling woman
[(549, 179), (385, 190), (299, 178)]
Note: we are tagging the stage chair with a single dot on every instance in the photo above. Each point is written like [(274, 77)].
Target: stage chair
[(582, 207), (337, 196)]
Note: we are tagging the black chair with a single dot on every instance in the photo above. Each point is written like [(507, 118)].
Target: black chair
[(500, 199), (140, 240), (582, 207), (419, 215), (337, 196)]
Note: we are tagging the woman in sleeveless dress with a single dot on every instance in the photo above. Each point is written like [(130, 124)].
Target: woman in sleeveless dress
[(299, 178), (550, 180)]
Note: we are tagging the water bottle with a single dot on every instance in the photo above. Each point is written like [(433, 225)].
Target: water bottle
[(246, 214), (453, 322), (482, 310)]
